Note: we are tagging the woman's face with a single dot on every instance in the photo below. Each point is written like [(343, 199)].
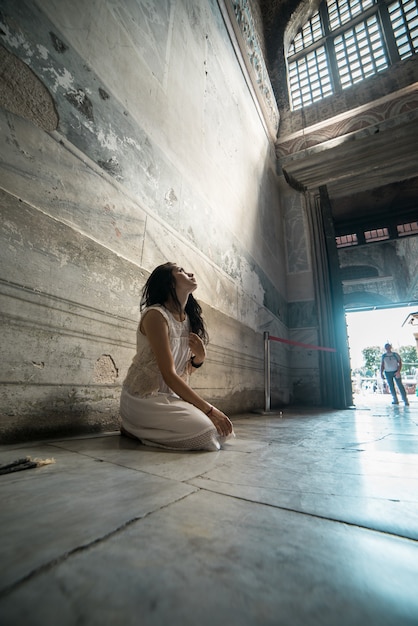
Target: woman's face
[(184, 280)]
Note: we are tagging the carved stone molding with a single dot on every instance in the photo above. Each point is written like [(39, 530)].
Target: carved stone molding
[(369, 119), (241, 26), (363, 149)]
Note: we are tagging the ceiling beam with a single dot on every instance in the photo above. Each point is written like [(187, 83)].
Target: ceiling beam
[(357, 162)]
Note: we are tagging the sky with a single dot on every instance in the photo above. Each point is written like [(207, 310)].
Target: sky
[(375, 328)]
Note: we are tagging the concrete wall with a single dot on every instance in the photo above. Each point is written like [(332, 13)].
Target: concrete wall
[(129, 138)]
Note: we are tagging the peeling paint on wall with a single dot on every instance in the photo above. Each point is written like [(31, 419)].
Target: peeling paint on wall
[(80, 100), (57, 43), (105, 370)]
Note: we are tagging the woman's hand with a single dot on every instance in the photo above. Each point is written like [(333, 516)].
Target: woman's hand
[(221, 422), (197, 347)]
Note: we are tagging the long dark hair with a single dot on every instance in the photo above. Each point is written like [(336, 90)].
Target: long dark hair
[(161, 286)]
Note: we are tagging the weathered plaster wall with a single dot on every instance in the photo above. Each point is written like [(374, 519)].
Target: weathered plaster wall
[(157, 153)]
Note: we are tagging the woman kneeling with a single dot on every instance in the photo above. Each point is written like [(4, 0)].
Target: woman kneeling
[(157, 405)]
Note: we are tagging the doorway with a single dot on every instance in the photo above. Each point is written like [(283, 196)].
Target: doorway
[(368, 330)]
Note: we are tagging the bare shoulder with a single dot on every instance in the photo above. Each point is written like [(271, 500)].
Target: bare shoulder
[(153, 320)]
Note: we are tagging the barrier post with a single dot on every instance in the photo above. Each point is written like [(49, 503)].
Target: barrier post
[(266, 371)]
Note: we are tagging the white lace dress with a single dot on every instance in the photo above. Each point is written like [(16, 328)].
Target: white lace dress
[(150, 410)]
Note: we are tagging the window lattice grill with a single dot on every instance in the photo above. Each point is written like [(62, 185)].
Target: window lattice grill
[(379, 234), (309, 78), (311, 32), (404, 19), (407, 229), (343, 241), (340, 11), (360, 52), (358, 47)]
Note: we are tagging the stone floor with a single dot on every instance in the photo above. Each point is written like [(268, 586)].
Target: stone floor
[(308, 519)]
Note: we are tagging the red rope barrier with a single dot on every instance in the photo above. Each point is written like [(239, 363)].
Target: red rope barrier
[(302, 345)]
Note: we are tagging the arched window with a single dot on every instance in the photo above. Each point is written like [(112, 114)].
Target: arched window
[(346, 41)]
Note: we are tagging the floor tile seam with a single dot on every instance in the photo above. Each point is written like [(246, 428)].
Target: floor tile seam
[(303, 473), (189, 481), (106, 461), (49, 565), (150, 472), (390, 433), (54, 440), (317, 516)]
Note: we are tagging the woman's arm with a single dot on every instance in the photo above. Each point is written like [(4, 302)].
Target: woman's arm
[(198, 350), (155, 328)]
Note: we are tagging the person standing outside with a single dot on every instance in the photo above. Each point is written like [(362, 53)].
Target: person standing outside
[(390, 368)]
